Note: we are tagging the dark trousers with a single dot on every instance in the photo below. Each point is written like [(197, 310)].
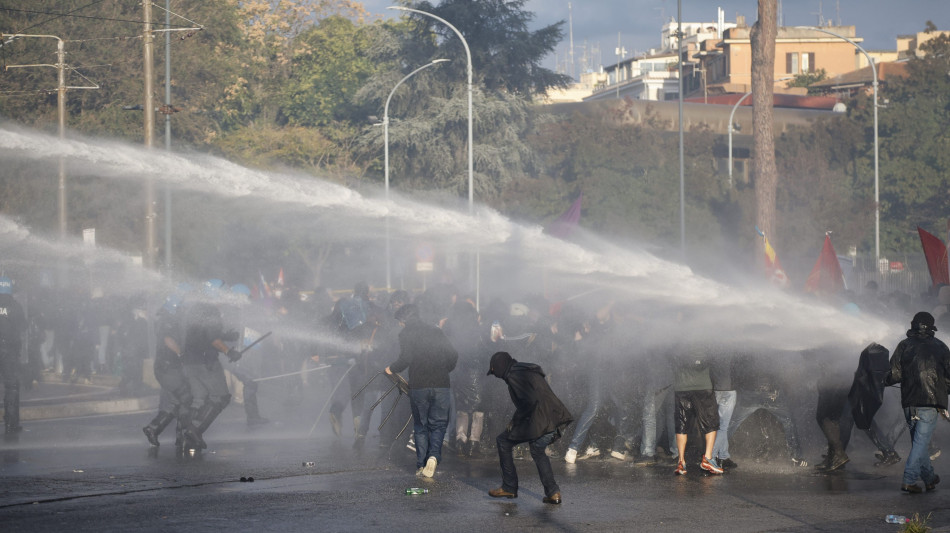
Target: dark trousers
[(10, 372), (509, 476)]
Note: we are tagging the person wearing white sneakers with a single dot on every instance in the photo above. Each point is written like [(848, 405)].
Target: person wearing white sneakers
[(429, 356)]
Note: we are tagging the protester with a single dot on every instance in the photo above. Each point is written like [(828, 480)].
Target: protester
[(539, 419), (695, 400), (429, 356), (921, 364), (12, 324)]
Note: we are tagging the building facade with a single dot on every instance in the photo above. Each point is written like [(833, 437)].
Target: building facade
[(727, 64)]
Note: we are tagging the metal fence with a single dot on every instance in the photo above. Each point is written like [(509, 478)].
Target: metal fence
[(911, 282)]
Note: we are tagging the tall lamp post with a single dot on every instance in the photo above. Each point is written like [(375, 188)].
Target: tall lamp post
[(386, 153), (731, 128), (468, 56), (877, 202)]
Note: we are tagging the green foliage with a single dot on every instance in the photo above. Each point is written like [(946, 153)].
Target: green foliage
[(428, 128), (329, 65), (626, 174), (805, 79), (506, 55), (917, 524), (915, 145)]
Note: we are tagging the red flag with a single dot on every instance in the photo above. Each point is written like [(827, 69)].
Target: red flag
[(826, 276), (564, 225), (936, 253), (280, 278)]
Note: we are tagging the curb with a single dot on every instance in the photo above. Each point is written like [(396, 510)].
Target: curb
[(125, 405)]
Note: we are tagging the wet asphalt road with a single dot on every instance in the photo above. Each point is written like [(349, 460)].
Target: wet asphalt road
[(96, 474)]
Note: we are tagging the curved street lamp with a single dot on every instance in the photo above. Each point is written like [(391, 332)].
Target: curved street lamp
[(386, 153), (731, 128), (471, 194), (877, 203), (468, 55)]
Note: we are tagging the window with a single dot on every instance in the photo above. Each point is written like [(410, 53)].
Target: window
[(796, 63), (791, 63)]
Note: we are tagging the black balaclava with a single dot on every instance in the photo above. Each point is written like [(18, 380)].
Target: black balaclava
[(500, 363), (923, 323)]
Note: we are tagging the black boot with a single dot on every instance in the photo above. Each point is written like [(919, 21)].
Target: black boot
[(475, 449), (11, 408), (155, 427), (187, 432), (206, 415)]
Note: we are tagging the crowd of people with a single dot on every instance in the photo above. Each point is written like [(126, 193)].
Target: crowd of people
[(622, 398)]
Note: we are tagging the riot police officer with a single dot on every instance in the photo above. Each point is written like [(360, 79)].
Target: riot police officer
[(12, 323)]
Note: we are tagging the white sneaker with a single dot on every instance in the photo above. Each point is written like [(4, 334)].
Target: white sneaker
[(419, 471), (570, 456), (588, 453), (618, 455), (429, 469)]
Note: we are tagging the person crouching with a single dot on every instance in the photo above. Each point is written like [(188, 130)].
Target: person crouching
[(539, 419)]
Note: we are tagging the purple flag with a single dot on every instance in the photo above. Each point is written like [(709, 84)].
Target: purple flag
[(564, 225)]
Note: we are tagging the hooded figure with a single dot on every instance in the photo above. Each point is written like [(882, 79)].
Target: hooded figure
[(921, 365), (539, 419)]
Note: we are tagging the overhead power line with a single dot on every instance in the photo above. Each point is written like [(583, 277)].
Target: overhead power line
[(72, 14)]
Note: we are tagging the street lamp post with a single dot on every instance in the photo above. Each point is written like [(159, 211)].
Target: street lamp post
[(468, 56), (471, 193), (386, 153), (731, 128), (877, 202)]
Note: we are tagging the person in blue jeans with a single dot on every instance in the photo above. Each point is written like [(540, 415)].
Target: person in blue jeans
[(921, 364), (429, 356), (657, 416)]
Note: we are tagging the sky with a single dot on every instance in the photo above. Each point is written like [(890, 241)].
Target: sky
[(638, 22)]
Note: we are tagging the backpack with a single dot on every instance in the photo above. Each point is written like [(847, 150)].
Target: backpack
[(354, 313)]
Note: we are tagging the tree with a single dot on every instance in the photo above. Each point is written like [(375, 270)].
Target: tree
[(429, 114), (763, 36), (915, 161), (506, 56), (806, 79), (328, 66)]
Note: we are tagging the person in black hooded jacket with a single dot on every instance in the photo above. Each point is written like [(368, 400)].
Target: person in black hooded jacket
[(539, 419), (921, 364)]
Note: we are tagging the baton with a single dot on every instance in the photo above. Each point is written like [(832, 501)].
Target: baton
[(253, 344)]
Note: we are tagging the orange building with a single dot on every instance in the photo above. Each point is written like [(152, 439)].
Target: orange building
[(727, 63)]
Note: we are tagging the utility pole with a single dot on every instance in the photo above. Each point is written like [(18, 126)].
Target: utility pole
[(148, 258), (168, 135)]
